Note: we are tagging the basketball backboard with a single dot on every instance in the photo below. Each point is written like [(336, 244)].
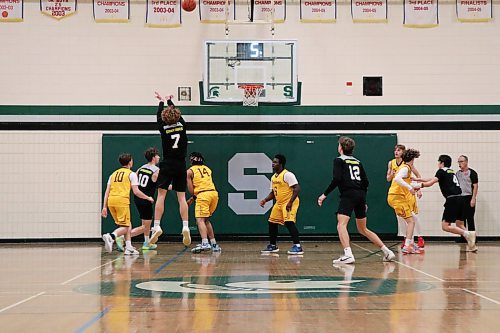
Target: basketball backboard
[(232, 63)]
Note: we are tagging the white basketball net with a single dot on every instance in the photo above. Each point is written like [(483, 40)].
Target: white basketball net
[(251, 93)]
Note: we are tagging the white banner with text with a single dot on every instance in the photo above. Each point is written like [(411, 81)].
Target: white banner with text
[(369, 11), (58, 9), (474, 10), (420, 13), (214, 11), (163, 13), (11, 10), (116, 11), (263, 10)]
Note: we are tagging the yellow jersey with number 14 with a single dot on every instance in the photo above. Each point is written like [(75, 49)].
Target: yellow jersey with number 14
[(202, 179)]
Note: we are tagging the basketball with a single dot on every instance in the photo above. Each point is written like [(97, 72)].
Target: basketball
[(188, 5)]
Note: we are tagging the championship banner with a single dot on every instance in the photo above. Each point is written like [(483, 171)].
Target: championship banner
[(420, 13), (214, 11), (163, 13), (116, 11), (58, 9), (263, 10), (474, 10), (318, 11), (11, 10), (369, 11)]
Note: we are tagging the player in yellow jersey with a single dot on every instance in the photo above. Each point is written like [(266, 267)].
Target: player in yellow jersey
[(392, 168), (285, 189), (202, 189), (401, 197), (117, 199)]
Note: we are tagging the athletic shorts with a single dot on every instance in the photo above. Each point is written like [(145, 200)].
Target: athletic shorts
[(402, 205), (353, 200), (280, 215), (121, 215), (145, 208), (206, 203), (453, 209), (413, 199), (172, 172)]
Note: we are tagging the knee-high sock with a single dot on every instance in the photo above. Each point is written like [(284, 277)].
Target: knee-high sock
[(292, 228)]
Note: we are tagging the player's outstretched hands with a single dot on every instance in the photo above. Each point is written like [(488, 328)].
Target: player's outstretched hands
[(104, 212), (321, 199), (190, 201), (150, 199), (262, 203), (159, 97)]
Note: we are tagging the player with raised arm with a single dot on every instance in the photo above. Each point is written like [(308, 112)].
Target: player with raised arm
[(453, 206), (202, 188), (392, 168), (172, 129), (350, 177), (117, 199)]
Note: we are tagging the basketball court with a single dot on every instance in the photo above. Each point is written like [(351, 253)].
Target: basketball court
[(80, 288)]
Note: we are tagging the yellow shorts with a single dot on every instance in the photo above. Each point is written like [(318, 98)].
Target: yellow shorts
[(280, 215), (401, 204), (121, 215), (413, 200), (206, 203)]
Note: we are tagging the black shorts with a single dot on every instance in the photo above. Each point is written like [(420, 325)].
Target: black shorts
[(172, 172), (145, 208), (453, 209), (353, 200)]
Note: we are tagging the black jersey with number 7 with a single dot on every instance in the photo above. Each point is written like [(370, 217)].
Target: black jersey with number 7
[(173, 137)]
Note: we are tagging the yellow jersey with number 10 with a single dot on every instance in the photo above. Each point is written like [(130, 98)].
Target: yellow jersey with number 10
[(119, 191)]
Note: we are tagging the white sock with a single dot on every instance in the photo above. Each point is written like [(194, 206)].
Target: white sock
[(156, 224), (408, 242), (185, 224), (418, 230), (128, 244), (204, 241), (466, 234), (146, 239), (385, 249), (213, 241), (348, 252), (298, 244)]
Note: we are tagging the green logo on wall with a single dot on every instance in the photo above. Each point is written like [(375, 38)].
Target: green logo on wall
[(213, 92), (287, 91), (256, 287)]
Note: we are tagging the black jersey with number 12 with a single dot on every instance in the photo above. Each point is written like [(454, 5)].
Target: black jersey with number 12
[(348, 174)]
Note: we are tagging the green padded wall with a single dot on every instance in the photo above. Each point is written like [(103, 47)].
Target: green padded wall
[(240, 163)]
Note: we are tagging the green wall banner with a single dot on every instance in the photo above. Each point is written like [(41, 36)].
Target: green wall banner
[(241, 166)]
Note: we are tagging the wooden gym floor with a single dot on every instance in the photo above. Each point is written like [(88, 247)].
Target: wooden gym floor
[(80, 288)]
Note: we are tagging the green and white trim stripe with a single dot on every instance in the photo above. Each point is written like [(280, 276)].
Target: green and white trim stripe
[(251, 118)]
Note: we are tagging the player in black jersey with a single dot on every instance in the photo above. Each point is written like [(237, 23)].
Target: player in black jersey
[(147, 176), (172, 174), (453, 206), (350, 177)]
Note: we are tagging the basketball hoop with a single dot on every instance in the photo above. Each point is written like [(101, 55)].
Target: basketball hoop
[(251, 93)]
